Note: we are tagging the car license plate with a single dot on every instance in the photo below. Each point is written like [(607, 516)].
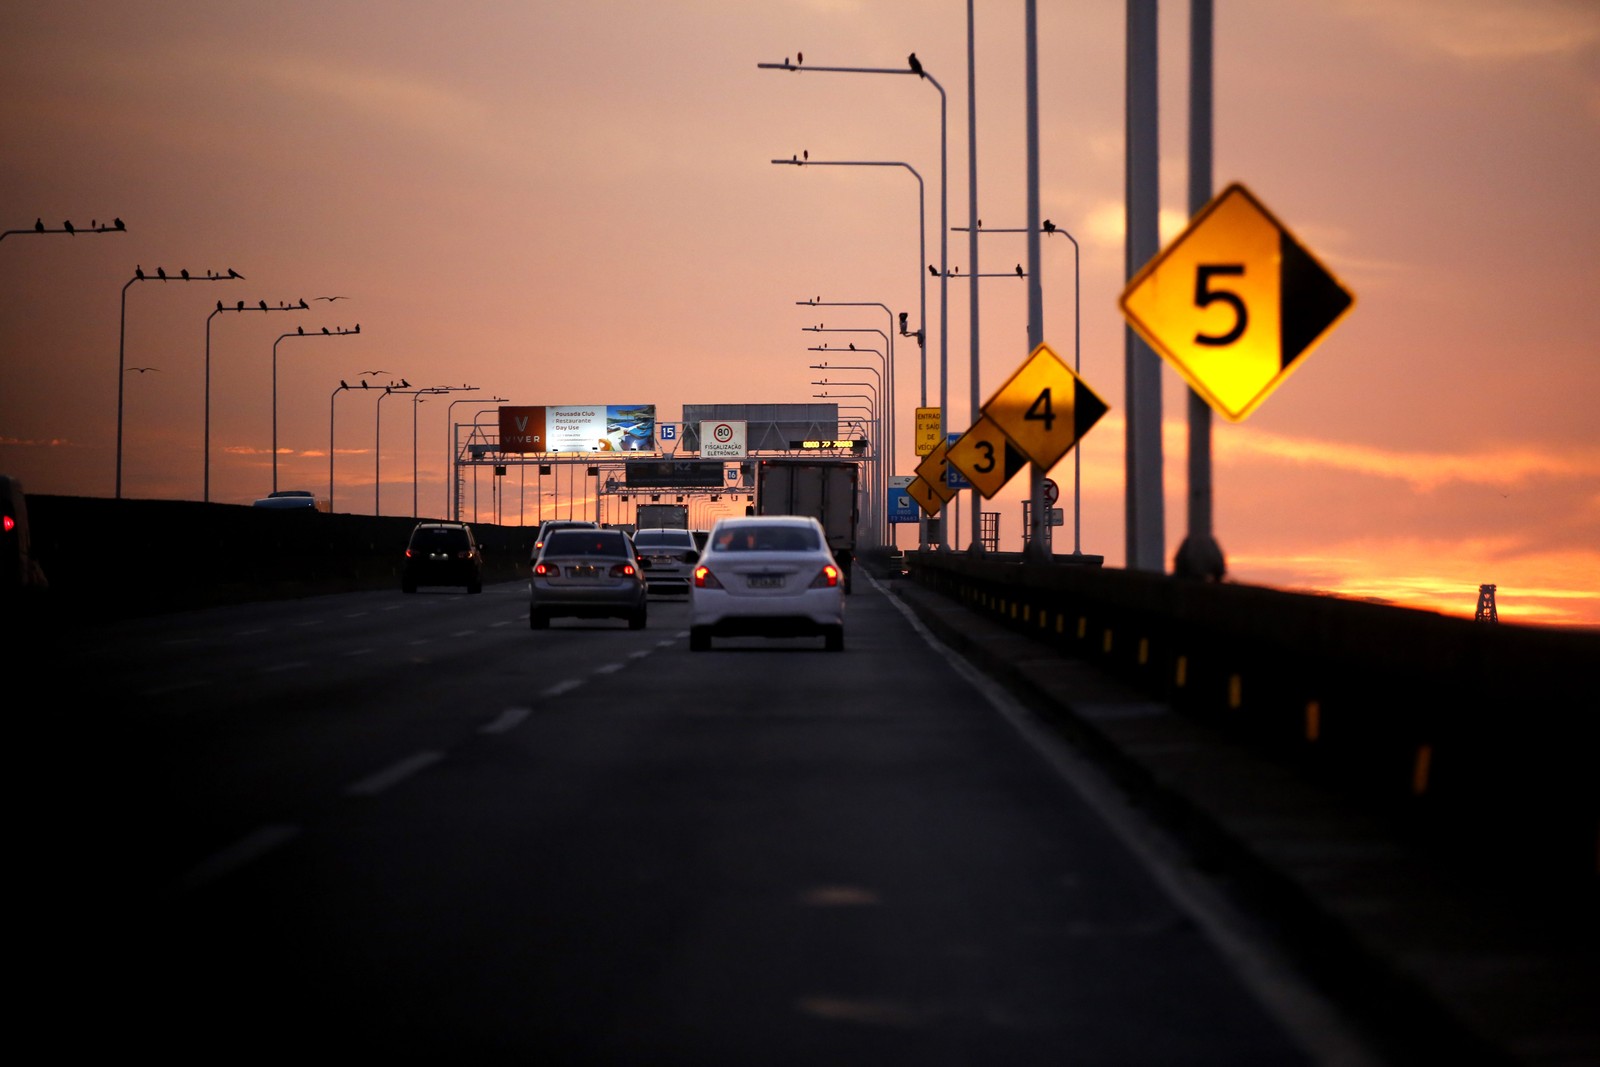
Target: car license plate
[(585, 570), (766, 581)]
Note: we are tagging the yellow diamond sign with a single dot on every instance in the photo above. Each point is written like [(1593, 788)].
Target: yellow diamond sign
[(928, 500), (987, 457), (1234, 303), (1044, 408)]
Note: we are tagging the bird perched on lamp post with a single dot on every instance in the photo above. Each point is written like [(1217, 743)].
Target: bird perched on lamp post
[(915, 64)]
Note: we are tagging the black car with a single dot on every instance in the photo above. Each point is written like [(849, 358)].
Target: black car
[(442, 553)]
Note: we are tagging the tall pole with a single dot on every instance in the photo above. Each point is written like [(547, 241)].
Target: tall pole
[(975, 538), (341, 332), (377, 455), (1200, 556), (1145, 532), (1037, 550), (341, 388)]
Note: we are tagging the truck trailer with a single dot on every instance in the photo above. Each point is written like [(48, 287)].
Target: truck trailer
[(824, 489)]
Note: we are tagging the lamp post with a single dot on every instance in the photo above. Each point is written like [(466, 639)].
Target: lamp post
[(416, 398), (889, 375), (377, 446), (886, 430), (872, 412), (122, 335), (1050, 229), (879, 418), (343, 385), (877, 421), (340, 332), (450, 449), (916, 68), (241, 306), (95, 226)]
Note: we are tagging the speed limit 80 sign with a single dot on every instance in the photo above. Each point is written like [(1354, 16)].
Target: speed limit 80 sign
[(1234, 303)]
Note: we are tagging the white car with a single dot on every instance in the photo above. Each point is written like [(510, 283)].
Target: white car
[(668, 557), (767, 576)]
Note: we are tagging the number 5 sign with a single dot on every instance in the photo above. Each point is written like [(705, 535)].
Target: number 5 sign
[(1234, 303)]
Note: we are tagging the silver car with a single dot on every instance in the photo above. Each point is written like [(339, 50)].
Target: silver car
[(668, 556), (767, 576), (589, 574)]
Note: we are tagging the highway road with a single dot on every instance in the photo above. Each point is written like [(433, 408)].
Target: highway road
[(408, 827)]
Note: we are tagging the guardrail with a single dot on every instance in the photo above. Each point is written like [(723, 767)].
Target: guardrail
[(1478, 735)]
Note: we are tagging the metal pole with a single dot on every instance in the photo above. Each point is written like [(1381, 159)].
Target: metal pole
[(1037, 551), (1200, 556), (331, 397), (1145, 534), (122, 335), (377, 457), (975, 541)]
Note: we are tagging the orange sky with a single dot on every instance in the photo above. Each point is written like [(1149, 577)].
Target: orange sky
[(573, 204)]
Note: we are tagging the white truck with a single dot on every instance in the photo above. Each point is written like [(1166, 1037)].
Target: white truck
[(824, 489), (661, 516)]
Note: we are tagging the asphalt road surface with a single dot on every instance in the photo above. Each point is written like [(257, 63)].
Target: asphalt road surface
[(405, 827)]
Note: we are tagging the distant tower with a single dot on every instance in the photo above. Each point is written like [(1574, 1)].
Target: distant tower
[(1486, 612)]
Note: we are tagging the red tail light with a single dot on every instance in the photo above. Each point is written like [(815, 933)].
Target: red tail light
[(704, 579), (826, 578), (544, 569), (623, 570), (11, 524)]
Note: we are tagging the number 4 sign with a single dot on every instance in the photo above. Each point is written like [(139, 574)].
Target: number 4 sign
[(1044, 408), (1234, 303)]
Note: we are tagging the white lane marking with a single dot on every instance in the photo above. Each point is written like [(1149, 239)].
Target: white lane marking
[(251, 633), (359, 652), (503, 622), (393, 774), (278, 668), (309, 622), (562, 687), (464, 633), (609, 668), (220, 864), (507, 720), (668, 642), (1314, 1022), (640, 654)]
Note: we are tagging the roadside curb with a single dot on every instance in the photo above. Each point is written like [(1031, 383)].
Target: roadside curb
[(1442, 972)]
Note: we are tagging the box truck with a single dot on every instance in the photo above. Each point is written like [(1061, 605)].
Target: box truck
[(824, 489)]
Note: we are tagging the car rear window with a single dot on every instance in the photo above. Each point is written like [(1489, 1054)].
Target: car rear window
[(440, 537), (585, 543), (775, 538), (664, 539)]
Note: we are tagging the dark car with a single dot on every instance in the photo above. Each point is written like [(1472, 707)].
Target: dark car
[(20, 574), (549, 526), (443, 553), (292, 499), (588, 573)]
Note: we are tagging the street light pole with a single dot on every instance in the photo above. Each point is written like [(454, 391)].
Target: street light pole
[(340, 332), (343, 385), (122, 337), (416, 398), (881, 420), (95, 226), (944, 221), (450, 450), (889, 374), (206, 448)]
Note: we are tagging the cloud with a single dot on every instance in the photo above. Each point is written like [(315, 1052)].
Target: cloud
[(1489, 30), (1424, 471)]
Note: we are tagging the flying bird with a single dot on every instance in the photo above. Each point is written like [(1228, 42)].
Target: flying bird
[(332, 298), (141, 370), (68, 226), (38, 225), (915, 64), (1019, 270), (1049, 227), (373, 373)]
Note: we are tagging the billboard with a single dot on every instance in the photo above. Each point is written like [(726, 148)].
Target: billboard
[(578, 428)]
